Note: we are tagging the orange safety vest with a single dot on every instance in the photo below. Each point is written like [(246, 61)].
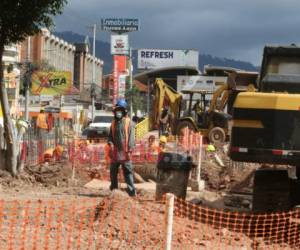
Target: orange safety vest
[(41, 121), (126, 122)]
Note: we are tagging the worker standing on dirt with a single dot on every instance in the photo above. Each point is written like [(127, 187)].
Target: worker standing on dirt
[(164, 121), (42, 127), (152, 149), (121, 142)]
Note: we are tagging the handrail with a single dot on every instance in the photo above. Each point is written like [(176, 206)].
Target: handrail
[(141, 129)]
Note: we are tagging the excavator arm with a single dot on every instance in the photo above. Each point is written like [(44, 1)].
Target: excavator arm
[(165, 95), (221, 95)]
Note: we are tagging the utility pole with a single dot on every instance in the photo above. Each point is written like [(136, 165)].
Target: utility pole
[(130, 81), (94, 73), (27, 81)]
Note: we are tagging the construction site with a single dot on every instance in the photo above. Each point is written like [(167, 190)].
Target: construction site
[(226, 177)]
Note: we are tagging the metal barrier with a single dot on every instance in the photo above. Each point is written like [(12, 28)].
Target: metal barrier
[(142, 128)]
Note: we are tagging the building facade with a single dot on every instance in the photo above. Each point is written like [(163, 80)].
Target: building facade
[(46, 48), (83, 68), (49, 49), (11, 76)]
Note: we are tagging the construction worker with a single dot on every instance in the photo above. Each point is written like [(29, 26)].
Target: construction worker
[(162, 143), (121, 142), (164, 120), (42, 127), (50, 122), (53, 153), (210, 148), (162, 146), (152, 149)]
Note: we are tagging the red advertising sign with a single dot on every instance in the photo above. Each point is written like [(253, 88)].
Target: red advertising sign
[(115, 95), (119, 68)]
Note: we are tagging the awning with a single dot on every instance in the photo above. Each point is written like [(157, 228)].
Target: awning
[(168, 72)]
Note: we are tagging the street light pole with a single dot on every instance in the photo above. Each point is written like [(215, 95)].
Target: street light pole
[(93, 77), (27, 83), (130, 81)]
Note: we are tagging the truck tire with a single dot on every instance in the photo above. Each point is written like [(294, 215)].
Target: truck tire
[(217, 135), (271, 191)]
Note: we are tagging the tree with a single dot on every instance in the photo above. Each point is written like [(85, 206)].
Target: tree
[(134, 94), (18, 20), (28, 68)]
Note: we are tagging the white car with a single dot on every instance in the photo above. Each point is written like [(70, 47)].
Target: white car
[(99, 127)]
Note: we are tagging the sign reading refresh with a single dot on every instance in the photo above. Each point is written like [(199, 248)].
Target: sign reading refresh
[(120, 24), (158, 58)]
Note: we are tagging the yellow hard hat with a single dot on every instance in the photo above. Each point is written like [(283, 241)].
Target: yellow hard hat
[(211, 148), (59, 149), (163, 139)]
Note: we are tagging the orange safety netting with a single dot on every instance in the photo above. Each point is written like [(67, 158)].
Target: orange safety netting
[(118, 222), (109, 223), (198, 227)]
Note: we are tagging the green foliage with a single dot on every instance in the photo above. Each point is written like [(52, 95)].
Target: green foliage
[(19, 19), (138, 102), (22, 18), (43, 66)]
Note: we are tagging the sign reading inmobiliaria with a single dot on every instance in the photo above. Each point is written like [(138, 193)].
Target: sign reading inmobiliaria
[(120, 25), (160, 58)]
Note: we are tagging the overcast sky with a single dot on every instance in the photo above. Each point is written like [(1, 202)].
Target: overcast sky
[(235, 29)]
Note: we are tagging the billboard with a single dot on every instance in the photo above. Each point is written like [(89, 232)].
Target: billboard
[(120, 24), (198, 83), (119, 68), (119, 44), (51, 83), (159, 58), (122, 85), (116, 81)]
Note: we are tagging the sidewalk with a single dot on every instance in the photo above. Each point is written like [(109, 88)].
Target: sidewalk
[(99, 184)]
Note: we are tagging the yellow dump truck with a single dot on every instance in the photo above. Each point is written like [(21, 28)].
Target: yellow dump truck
[(266, 129)]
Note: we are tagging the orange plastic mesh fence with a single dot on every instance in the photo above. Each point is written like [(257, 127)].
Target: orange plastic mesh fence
[(119, 222), (85, 152), (94, 158), (114, 222), (198, 227)]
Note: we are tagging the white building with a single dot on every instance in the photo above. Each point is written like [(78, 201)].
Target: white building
[(11, 58)]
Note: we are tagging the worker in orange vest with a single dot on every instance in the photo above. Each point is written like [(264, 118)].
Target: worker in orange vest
[(121, 142), (42, 128), (53, 153)]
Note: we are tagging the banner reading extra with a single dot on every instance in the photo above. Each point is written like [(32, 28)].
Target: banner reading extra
[(51, 83), (160, 58)]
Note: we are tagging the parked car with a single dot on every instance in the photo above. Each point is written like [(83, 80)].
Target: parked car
[(99, 127)]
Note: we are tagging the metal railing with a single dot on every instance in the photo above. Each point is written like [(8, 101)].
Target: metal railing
[(141, 129)]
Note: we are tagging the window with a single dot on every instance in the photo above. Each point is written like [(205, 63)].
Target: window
[(104, 119)]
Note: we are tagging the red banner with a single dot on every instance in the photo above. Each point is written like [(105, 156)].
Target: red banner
[(119, 68)]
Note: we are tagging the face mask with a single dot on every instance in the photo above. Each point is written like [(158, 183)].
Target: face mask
[(119, 114)]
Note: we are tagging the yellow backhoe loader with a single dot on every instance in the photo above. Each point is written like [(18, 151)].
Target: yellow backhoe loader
[(209, 119)]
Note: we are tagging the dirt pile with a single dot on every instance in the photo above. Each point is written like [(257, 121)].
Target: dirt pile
[(221, 173), (57, 174), (140, 224), (46, 175)]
